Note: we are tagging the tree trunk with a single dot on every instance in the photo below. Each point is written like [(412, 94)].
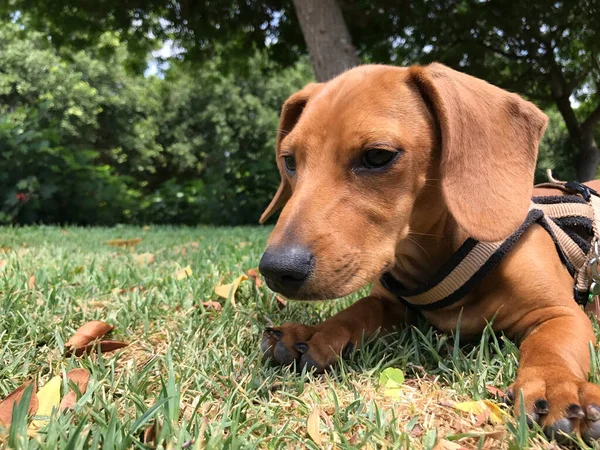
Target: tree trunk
[(589, 156), (326, 36)]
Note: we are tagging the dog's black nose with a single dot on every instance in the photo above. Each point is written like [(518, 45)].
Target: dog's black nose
[(285, 268)]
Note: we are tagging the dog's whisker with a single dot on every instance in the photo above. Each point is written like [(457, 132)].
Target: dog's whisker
[(419, 245)]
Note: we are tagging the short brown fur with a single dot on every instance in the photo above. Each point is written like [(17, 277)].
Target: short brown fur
[(466, 169)]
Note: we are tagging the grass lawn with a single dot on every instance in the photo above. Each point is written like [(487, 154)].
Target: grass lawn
[(197, 371)]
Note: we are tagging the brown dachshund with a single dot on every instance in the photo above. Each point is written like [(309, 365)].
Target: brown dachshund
[(389, 169)]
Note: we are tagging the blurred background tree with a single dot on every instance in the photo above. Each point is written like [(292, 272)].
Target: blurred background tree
[(94, 138)]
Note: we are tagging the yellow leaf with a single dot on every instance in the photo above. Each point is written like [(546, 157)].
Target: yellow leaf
[(228, 290), (392, 379), (124, 242), (182, 274), (312, 426), (49, 399), (481, 406), (144, 259)]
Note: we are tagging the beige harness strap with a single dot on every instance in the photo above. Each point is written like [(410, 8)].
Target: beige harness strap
[(465, 270), (477, 258)]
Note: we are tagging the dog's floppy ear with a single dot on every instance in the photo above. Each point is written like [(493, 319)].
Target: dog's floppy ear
[(489, 145), (290, 113)]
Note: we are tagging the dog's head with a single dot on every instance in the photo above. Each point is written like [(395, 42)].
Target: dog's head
[(357, 153)]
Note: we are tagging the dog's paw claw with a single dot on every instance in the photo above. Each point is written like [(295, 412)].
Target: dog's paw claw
[(592, 412), (282, 355), (558, 430), (541, 407), (301, 347), (574, 411), (310, 364)]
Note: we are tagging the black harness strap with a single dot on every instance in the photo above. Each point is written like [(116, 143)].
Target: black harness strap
[(579, 229)]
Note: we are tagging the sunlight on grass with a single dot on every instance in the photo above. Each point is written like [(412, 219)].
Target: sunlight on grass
[(196, 372)]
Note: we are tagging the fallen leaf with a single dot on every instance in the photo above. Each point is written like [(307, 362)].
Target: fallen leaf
[(3, 262), (312, 426), (105, 347), (144, 259), (281, 302), (146, 228), (49, 399), (183, 273), (445, 444), (496, 415), (5, 249), (150, 433), (31, 283), (124, 242), (8, 404), (498, 435), (417, 431), (482, 418), (212, 305), (228, 291), (497, 392), (88, 332), (392, 381), (80, 377), (254, 275)]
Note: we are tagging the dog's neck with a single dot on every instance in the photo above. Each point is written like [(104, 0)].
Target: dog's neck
[(433, 236)]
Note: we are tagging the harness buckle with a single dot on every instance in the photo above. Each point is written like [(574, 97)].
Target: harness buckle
[(582, 298), (585, 191)]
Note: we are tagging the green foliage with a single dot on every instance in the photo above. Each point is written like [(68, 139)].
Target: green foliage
[(89, 142), (556, 151)]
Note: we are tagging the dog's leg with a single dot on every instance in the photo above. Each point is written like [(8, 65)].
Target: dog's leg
[(318, 346), (553, 373)]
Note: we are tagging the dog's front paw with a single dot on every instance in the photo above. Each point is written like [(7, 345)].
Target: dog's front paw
[(561, 404), (312, 347)]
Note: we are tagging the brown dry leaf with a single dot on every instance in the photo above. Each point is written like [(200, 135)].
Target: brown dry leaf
[(124, 242), (227, 291), (194, 244), (417, 431), (150, 433), (182, 274), (105, 347), (5, 249), (495, 391), (254, 275), (312, 426), (144, 259), (129, 289), (281, 302), (7, 405), (445, 444), (212, 305), (88, 332), (31, 283), (80, 377), (3, 262)]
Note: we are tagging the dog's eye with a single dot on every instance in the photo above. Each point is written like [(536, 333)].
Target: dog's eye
[(376, 158), (290, 163)]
